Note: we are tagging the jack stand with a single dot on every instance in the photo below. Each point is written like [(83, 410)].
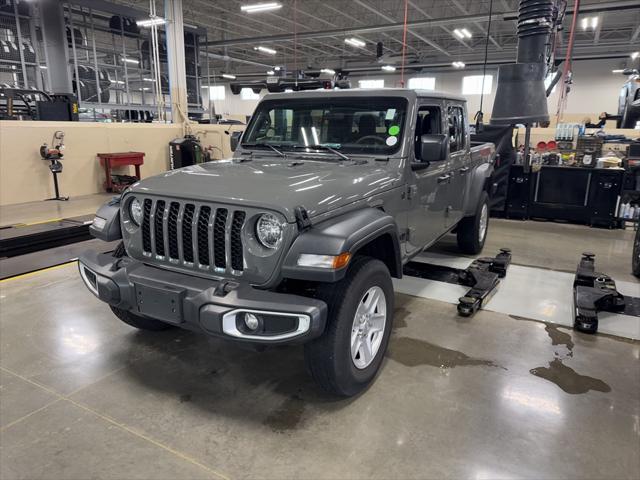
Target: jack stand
[(56, 167), (483, 276), (593, 292)]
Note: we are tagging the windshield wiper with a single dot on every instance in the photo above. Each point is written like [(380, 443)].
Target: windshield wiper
[(268, 145), (324, 147)]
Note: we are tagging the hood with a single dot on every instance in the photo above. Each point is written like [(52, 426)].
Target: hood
[(274, 184)]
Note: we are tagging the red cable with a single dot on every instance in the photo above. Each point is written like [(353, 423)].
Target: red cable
[(404, 41), (567, 63), (295, 39)]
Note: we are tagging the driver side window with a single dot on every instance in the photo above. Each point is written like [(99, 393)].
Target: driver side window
[(429, 122)]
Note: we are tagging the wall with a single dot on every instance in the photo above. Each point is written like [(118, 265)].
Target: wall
[(595, 89), (24, 177)]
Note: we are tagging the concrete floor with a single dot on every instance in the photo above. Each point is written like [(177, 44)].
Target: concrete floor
[(555, 245), (83, 395)]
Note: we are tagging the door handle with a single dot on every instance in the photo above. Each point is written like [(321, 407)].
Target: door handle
[(463, 170), (444, 178)]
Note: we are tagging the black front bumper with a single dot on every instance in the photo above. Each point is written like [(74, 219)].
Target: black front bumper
[(209, 306)]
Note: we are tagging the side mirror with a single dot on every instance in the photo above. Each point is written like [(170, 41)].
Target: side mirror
[(234, 140), (434, 148)]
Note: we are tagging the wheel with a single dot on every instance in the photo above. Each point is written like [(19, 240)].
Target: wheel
[(472, 231), (137, 321), (345, 360), (635, 261)]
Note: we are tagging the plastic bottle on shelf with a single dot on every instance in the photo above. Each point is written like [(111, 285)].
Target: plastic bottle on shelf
[(622, 210)]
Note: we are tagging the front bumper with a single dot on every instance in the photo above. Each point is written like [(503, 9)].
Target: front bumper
[(209, 306)]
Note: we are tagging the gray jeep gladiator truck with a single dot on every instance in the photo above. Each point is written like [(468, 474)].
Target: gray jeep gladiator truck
[(297, 237)]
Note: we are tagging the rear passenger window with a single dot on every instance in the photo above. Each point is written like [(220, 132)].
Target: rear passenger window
[(457, 136)]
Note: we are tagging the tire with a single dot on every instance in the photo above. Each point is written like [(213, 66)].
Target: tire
[(471, 235), (137, 321), (329, 358), (635, 261)]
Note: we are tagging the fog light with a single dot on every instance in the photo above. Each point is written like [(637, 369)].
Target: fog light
[(251, 321)]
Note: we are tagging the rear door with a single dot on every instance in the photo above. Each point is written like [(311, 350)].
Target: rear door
[(459, 163)]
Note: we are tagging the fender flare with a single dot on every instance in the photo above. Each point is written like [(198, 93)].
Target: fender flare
[(110, 213), (349, 232), (479, 183)]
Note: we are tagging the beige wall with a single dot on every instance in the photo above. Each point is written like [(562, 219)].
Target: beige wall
[(24, 177)]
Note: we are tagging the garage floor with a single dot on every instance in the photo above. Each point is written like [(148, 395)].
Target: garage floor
[(83, 395)]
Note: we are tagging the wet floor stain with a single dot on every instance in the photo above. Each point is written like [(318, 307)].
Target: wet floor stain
[(560, 338), (412, 352), (185, 398), (565, 377), (287, 416), (568, 379), (400, 318)]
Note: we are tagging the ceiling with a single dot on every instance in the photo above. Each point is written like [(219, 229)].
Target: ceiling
[(302, 32)]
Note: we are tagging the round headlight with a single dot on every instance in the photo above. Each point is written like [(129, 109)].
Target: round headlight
[(269, 231), (135, 211)]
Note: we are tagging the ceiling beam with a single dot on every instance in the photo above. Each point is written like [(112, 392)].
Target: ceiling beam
[(432, 22), (410, 32), (448, 30), (463, 10)]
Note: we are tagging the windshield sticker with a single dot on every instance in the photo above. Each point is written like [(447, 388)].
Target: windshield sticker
[(390, 114), (391, 141), (394, 130)]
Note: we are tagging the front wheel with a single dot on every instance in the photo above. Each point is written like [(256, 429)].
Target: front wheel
[(346, 359), (472, 231)]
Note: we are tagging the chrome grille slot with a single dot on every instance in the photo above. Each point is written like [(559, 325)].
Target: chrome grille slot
[(237, 261), (146, 226), (172, 230), (203, 236), (219, 234), (187, 232), (158, 227)]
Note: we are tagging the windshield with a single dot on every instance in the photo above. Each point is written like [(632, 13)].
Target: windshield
[(351, 125)]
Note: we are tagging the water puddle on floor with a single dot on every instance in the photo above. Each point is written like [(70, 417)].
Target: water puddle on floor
[(412, 352), (560, 374), (287, 416)]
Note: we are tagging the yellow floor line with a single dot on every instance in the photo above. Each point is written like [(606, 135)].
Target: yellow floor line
[(51, 220), (108, 419), (36, 272), (24, 417)]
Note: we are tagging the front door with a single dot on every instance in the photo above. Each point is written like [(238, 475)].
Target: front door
[(426, 186)]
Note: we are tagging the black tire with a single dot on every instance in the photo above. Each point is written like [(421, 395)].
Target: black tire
[(137, 321), (469, 238), (635, 261), (328, 358)]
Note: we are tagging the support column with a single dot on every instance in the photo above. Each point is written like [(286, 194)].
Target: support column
[(175, 55), (55, 45)]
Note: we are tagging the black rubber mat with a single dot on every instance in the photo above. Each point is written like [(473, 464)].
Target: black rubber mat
[(430, 271), (31, 262)]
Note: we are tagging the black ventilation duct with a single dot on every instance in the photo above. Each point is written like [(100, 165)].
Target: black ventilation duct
[(520, 95)]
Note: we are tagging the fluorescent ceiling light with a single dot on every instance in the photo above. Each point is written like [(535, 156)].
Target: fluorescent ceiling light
[(130, 60), (148, 79), (617, 70), (635, 55), (277, 69), (388, 68), (268, 50), (328, 71), (43, 67), (151, 21), (229, 76), (462, 33), (270, 72), (354, 42), (587, 22), (260, 7), (458, 64)]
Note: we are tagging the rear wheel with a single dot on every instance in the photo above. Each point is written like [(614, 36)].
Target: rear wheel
[(346, 359), (472, 231)]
